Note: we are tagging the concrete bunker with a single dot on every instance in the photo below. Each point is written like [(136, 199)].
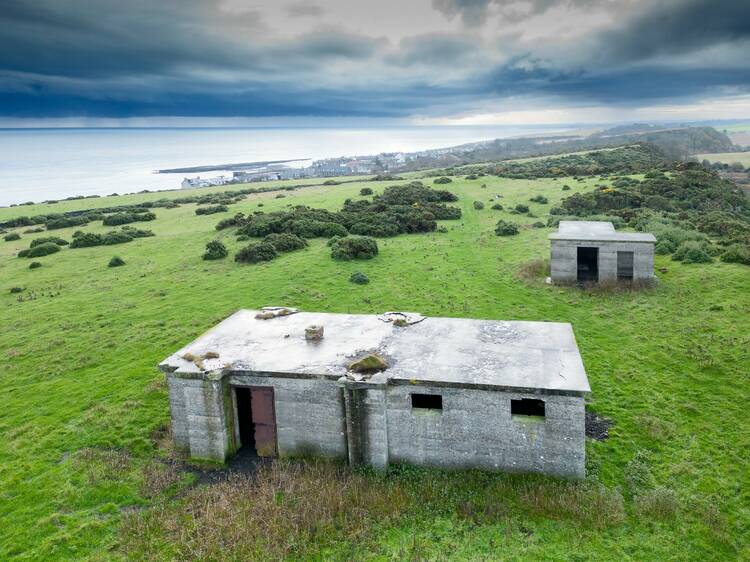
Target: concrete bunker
[(594, 252), (455, 393)]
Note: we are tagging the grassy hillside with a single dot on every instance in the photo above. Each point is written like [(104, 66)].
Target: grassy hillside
[(82, 460), (727, 158)]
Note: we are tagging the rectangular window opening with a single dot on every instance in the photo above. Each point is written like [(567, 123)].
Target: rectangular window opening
[(527, 407), (427, 401)]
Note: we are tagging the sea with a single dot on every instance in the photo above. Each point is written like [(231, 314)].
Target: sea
[(54, 163)]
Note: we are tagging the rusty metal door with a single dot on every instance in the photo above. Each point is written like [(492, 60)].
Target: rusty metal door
[(264, 420)]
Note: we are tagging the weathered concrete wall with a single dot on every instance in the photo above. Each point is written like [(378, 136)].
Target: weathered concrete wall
[(309, 414), (475, 429), (178, 413), (199, 417), (564, 259)]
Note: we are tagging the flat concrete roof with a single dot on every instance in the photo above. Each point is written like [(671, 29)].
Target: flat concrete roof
[(537, 356), (597, 231)]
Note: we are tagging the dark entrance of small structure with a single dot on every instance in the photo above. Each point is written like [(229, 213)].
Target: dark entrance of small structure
[(588, 264), (256, 419)]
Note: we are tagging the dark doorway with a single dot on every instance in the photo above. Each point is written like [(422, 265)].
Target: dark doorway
[(245, 418), (588, 264), (256, 418), (625, 266)]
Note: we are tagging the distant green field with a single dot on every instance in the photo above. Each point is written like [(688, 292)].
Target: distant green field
[(83, 404), (727, 157)]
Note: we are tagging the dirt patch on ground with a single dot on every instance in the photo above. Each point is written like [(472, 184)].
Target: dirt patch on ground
[(597, 427), (245, 461)]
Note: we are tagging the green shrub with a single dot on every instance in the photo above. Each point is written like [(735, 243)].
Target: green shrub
[(85, 239), (35, 265), (15, 290), (665, 247), (521, 208), (539, 199), (365, 191), (215, 250), (538, 224), (66, 222), (359, 278), (23, 253), (442, 180), (42, 250), (116, 261), (331, 182), (471, 177), (116, 237), (478, 205), (137, 232), (566, 187), (48, 239), (505, 228), (255, 253), (736, 253), (126, 218), (497, 207), (692, 251), (213, 209), (354, 248), (285, 242), (12, 236)]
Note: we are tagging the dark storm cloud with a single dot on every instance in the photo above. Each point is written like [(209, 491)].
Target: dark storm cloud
[(675, 28), (219, 58)]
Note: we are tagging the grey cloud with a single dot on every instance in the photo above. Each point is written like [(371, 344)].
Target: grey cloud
[(304, 10), (436, 49)]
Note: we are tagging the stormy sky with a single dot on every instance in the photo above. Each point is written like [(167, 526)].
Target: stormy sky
[(432, 61)]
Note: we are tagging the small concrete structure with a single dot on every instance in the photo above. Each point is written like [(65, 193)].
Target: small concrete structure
[(592, 251), (449, 392)]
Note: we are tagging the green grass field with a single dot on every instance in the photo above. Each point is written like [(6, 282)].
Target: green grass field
[(83, 403), (727, 158)]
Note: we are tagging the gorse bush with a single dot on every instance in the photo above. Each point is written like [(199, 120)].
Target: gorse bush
[(359, 278), (736, 253), (478, 205), (88, 239), (497, 207), (505, 228), (42, 250), (215, 250), (354, 248), (116, 261), (365, 191), (213, 209), (47, 239), (442, 180), (521, 208), (399, 209), (256, 253), (12, 237), (67, 222), (285, 242), (35, 265), (118, 219), (693, 251), (539, 199)]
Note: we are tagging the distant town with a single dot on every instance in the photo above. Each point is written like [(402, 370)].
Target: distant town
[(329, 167)]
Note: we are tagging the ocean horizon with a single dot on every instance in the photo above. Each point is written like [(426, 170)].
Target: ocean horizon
[(40, 164)]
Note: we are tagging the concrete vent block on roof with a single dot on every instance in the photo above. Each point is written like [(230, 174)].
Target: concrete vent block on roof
[(314, 333)]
